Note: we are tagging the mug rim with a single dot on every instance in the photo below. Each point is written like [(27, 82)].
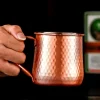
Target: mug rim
[(59, 33)]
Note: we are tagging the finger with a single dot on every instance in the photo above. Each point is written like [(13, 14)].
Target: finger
[(11, 55), (14, 44), (9, 68), (9, 41), (16, 31)]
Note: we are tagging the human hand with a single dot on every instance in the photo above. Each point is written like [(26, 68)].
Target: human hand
[(11, 49)]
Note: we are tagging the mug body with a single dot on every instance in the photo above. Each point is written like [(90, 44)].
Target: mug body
[(58, 59)]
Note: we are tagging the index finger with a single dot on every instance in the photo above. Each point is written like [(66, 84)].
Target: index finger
[(16, 31)]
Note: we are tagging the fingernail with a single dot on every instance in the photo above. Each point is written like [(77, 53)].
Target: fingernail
[(21, 36)]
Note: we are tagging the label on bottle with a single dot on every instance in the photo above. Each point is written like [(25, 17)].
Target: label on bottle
[(92, 41)]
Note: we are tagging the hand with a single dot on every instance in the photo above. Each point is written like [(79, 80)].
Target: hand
[(11, 49)]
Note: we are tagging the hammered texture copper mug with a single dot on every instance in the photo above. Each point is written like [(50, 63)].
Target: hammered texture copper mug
[(58, 59)]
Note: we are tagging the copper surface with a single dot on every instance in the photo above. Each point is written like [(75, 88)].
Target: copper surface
[(58, 59), (58, 33)]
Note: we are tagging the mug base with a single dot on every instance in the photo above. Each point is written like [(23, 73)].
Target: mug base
[(57, 83)]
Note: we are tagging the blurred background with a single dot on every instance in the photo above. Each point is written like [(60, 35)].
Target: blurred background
[(50, 15)]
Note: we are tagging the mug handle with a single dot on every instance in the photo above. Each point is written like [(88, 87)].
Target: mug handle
[(21, 67)]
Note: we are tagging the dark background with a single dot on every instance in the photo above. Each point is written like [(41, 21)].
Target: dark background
[(50, 15)]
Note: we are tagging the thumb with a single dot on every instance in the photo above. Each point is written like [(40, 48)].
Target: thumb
[(16, 31)]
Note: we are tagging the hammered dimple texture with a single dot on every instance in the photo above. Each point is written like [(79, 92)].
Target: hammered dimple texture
[(58, 60)]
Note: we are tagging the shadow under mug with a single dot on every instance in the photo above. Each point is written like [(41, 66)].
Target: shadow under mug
[(58, 59)]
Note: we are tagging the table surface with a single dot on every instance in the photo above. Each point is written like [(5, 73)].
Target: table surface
[(23, 88)]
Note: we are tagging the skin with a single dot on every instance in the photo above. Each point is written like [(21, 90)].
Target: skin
[(11, 49)]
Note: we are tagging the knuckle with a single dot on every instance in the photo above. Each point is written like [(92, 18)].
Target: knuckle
[(23, 58), (6, 25), (22, 46), (1, 28), (15, 27), (2, 36), (1, 51), (16, 72)]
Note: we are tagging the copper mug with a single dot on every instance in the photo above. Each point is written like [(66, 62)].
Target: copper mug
[(58, 59)]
